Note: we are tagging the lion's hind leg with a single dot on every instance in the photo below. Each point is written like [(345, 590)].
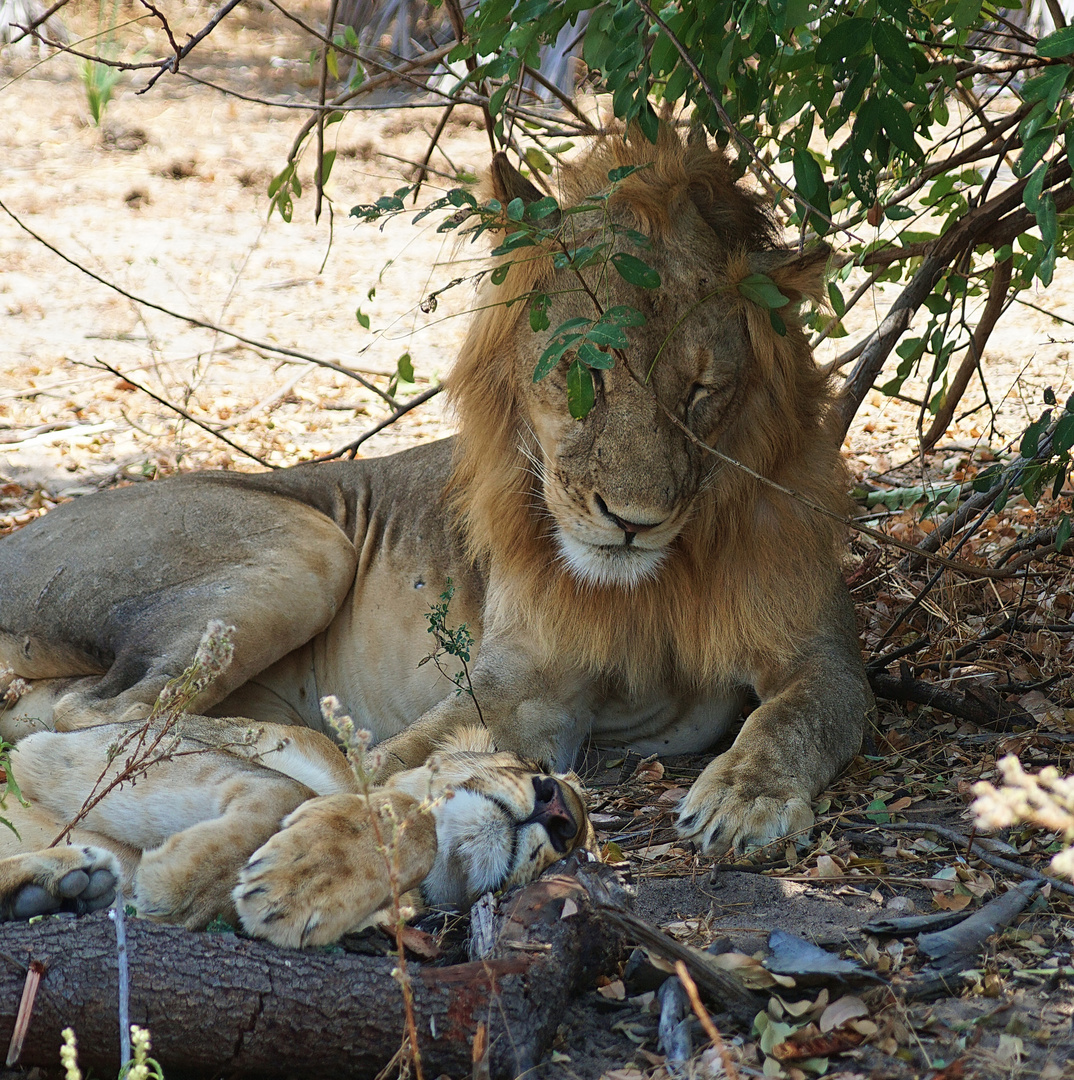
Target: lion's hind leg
[(77, 879)]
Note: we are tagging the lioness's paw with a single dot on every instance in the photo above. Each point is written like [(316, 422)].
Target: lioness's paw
[(720, 812), (323, 873), (76, 879)]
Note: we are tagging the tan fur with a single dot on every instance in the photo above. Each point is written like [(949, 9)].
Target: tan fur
[(619, 581)]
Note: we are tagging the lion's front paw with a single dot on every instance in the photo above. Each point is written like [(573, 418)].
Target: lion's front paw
[(724, 811), (77, 879)]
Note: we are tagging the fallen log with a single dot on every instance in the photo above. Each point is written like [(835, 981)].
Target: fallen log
[(224, 1004)]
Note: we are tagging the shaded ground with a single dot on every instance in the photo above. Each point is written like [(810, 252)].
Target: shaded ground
[(167, 200)]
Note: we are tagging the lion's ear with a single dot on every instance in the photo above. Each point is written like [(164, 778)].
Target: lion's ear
[(797, 276), (508, 183)]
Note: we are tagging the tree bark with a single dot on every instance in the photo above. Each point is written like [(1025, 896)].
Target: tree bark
[(217, 1003)]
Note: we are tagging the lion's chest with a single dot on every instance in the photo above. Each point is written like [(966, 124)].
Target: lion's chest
[(664, 723)]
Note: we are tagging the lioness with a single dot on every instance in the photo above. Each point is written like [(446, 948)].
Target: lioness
[(180, 838), (621, 581)]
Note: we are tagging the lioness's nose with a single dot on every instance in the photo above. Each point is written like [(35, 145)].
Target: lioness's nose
[(628, 526), (550, 810)]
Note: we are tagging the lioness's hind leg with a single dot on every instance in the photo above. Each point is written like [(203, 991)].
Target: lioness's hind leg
[(189, 877), (78, 879)]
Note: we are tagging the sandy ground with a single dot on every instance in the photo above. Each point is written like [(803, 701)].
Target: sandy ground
[(167, 201)]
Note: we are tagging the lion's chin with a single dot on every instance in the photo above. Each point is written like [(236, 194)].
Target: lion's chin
[(603, 566)]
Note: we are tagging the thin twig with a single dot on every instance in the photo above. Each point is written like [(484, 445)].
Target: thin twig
[(26, 1011), (350, 449), (184, 414), (204, 324), (172, 64), (961, 840), (702, 1014), (322, 86), (117, 915)]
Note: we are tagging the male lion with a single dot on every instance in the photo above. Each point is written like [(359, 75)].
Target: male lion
[(621, 581)]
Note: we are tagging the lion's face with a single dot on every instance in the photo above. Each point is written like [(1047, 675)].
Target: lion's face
[(620, 483), (498, 823)]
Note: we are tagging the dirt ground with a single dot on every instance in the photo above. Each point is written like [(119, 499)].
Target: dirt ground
[(167, 201)]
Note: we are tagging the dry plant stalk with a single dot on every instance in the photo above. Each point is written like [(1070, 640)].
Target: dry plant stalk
[(364, 763), (156, 740), (706, 1021), (1045, 799)]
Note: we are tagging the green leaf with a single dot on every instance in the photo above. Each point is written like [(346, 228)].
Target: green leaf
[(562, 340), (1057, 44), (539, 312), (635, 271), (542, 208), (363, 319), (499, 275), (898, 126), (1063, 436), (1062, 532), (622, 315), (580, 394), (1032, 193), (1047, 87), (538, 161), (623, 171), (515, 209), (327, 162), (332, 63), (845, 39), (835, 297), (894, 50), (405, 368), (1032, 152), (277, 181), (966, 13), (613, 337), (898, 213), (1031, 438), (762, 290), (593, 357)]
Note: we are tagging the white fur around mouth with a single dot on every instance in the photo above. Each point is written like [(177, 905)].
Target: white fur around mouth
[(621, 564)]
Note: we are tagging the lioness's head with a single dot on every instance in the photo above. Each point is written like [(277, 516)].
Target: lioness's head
[(499, 822), (612, 493)]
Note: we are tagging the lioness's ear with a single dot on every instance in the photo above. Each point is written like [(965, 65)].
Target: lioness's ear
[(508, 183), (797, 276)]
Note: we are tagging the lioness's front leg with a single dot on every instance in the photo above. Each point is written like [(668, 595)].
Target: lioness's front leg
[(805, 731)]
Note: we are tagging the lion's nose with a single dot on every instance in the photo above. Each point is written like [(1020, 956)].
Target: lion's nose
[(550, 810), (631, 528)]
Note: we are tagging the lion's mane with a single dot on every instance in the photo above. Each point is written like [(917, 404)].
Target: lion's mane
[(750, 569)]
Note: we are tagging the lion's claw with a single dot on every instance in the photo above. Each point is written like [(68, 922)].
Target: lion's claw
[(718, 814)]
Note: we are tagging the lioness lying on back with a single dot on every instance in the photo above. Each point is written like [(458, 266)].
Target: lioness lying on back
[(182, 839), (621, 581)]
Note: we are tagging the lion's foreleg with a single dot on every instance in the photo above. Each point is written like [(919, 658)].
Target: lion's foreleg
[(805, 731)]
